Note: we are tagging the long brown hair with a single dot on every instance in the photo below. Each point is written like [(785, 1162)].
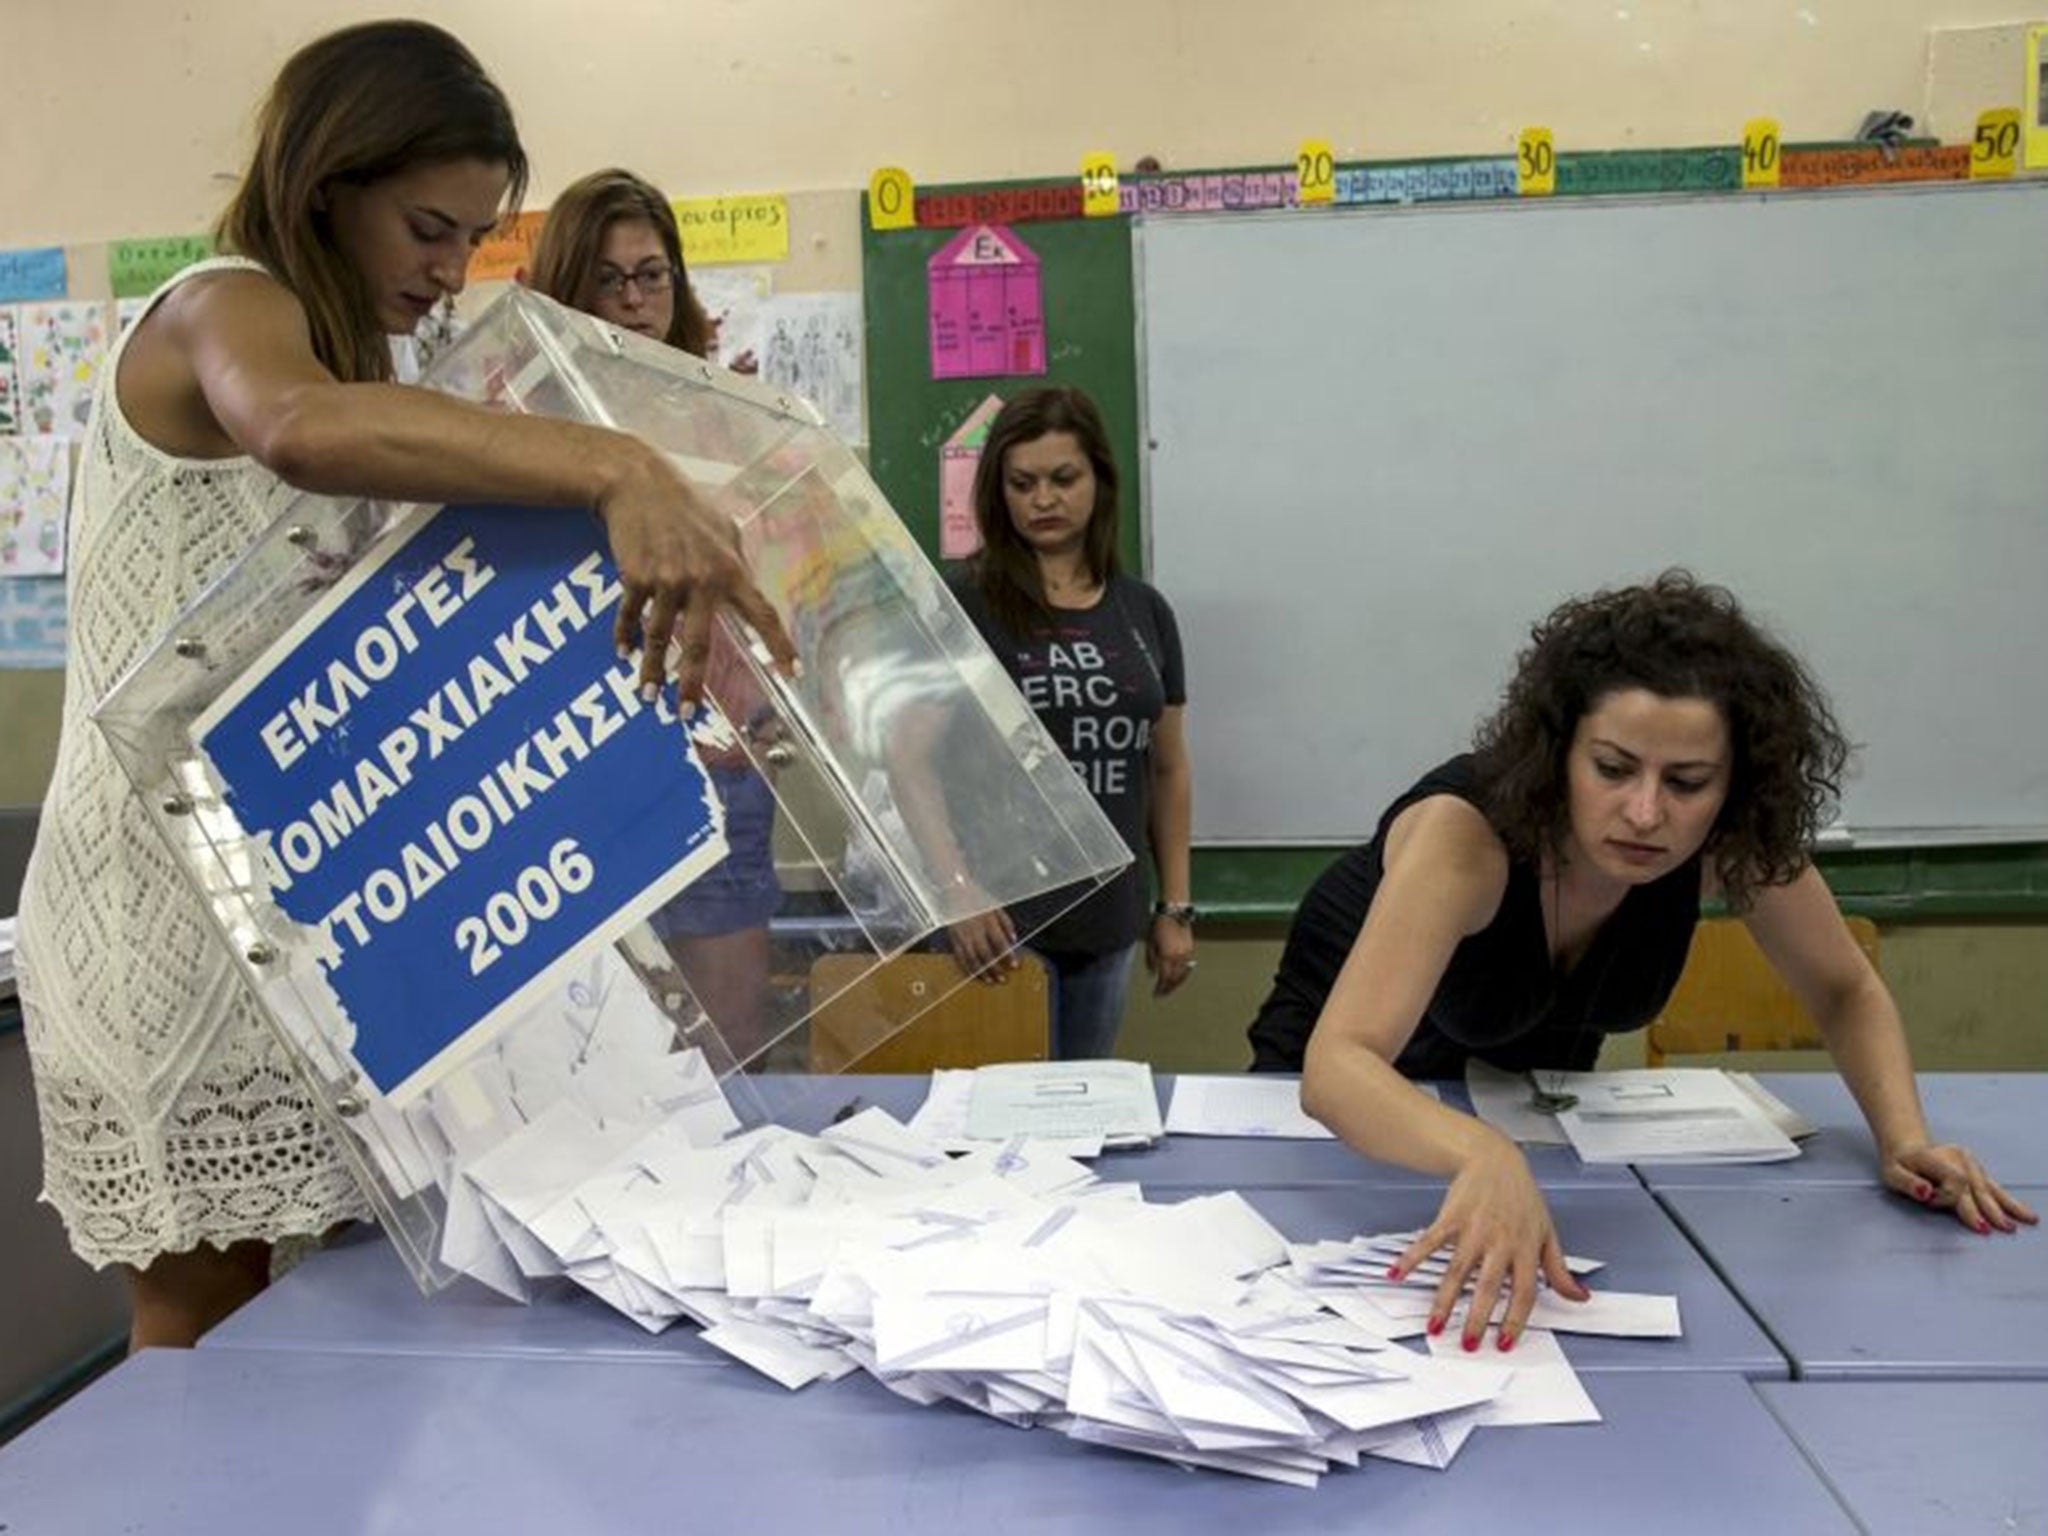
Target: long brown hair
[(1006, 567), (565, 255), (352, 108)]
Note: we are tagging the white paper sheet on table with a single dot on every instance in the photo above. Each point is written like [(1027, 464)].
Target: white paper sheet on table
[(1504, 1101), (1668, 1115), (1544, 1388), (1115, 1100), (1776, 1110), (1248, 1105), (942, 1119)]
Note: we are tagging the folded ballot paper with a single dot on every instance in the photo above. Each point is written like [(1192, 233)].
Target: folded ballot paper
[(1656, 1115), (1669, 1115), (1115, 1100), (1010, 1280)]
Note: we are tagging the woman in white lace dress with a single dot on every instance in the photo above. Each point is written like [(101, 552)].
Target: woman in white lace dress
[(177, 1141)]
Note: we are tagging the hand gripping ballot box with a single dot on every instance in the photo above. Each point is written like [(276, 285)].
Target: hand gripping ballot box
[(509, 915)]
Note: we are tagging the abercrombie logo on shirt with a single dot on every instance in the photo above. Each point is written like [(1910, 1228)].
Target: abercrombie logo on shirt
[(1094, 692)]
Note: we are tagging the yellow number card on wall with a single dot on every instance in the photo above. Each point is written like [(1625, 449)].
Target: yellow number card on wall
[(1315, 169), (1098, 184), (1994, 151), (2034, 114), (1761, 157), (1535, 163), (892, 199)]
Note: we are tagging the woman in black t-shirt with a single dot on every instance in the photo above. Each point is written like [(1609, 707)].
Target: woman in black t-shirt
[(1654, 747), (1097, 655)]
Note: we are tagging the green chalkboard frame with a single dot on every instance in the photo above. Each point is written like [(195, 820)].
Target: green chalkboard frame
[(1091, 342), (1092, 329)]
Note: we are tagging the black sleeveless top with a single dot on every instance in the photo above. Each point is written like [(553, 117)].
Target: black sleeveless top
[(1500, 998)]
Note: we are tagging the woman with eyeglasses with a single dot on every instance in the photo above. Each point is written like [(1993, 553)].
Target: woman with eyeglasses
[(610, 247)]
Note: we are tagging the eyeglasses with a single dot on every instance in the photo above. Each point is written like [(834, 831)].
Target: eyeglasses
[(654, 277)]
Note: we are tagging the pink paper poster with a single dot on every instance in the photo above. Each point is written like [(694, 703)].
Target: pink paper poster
[(987, 305), (959, 537)]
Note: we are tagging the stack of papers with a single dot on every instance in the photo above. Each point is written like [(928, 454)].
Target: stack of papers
[(1014, 1282), (1674, 1115), (1662, 1115), (942, 1119)]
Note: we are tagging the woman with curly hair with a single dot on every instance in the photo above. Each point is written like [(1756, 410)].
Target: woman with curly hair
[(1527, 899)]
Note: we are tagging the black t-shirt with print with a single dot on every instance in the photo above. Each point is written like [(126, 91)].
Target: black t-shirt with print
[(1098, 679)]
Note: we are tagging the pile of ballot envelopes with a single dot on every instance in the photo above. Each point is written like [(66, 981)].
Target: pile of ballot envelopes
[(1011, 1280)]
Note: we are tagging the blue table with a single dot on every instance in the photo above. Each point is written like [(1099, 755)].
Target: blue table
[(2000, 1116), (227, 1441), (1643, 1249), (1860, 1283), (355, 1296), (1924, 1458), (1182, 1162)]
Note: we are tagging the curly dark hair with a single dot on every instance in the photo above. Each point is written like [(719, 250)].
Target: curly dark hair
[(1678, 637)]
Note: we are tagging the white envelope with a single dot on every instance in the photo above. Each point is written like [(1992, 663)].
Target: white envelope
[(960, 1331)]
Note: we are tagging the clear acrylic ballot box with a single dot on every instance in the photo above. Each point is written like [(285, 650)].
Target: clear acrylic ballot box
[(476, 881)]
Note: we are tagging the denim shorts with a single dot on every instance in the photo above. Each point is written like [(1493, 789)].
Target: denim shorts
[(740, 892)]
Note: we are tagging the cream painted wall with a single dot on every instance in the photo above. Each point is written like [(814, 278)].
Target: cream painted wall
[(129, 116)]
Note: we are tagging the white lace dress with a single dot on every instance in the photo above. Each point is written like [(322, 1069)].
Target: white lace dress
[(170, 1114)]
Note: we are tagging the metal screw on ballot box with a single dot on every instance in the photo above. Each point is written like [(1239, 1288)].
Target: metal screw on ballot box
[(779, 756), (177, 805), (191, 647), (262, 952), (299, 534)]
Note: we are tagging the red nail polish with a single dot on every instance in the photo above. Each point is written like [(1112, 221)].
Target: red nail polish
[(1923, 1192), (1983, 1228), (1471, 1344), (1436, 1326), (1507, 1342), (1394, 1272)]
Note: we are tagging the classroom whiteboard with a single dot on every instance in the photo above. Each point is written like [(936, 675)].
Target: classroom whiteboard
[(1381, 443)]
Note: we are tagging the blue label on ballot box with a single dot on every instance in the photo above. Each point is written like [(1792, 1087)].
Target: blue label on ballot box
[(455, 781)]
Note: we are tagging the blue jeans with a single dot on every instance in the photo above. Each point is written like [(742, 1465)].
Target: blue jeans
[(740, 891), (1088, 1002)]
